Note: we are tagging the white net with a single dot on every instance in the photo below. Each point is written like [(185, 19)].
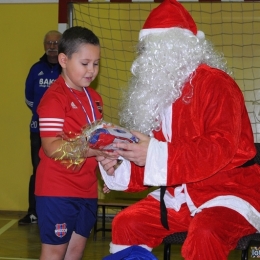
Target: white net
[(233, 27)]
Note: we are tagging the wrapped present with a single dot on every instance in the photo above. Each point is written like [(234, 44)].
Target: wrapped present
[(102, 135), (99, 135)]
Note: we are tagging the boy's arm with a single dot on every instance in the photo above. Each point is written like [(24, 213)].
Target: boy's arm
[(60, 149)]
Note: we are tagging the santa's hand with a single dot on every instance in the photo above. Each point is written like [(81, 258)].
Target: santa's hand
[(107, 164), (135, 152)]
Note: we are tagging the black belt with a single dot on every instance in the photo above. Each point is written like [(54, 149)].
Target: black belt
[(164, 218), (248, 163)]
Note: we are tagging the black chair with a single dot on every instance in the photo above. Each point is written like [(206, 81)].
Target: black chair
[(243, 243)]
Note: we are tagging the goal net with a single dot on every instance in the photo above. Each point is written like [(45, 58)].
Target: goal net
[(233, 27)]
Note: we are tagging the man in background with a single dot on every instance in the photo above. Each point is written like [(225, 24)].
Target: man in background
[(40, 77)]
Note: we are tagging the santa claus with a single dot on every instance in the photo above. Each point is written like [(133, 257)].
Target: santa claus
[(195, 143)]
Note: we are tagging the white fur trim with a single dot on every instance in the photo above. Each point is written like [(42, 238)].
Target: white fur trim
[(155, 173), (145, 32), (172, 202), (189, 201), (229, 201), (239, 205), (166, 118), (116, 248), (121, 178), (200, 35)]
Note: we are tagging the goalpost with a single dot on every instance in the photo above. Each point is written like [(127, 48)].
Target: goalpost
[(233, 27)]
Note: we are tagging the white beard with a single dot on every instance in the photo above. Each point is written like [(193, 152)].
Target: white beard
[(165, 63)]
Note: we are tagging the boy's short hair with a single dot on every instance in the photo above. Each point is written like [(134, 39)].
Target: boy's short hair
[(73, 37)]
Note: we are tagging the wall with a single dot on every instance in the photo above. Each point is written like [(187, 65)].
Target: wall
[(22, 28)]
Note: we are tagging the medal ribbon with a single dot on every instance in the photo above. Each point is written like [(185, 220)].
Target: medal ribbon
[(83, 108)]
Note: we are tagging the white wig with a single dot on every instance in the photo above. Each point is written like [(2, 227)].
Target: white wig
[(165, 62)]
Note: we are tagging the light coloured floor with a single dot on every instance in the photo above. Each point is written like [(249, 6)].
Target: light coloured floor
[(23, 243)]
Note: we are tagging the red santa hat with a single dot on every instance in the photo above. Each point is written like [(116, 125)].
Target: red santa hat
[(169, 14)]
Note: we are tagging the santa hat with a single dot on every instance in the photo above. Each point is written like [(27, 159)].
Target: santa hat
[(169, 14)]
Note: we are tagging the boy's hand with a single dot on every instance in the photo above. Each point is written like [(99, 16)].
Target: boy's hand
[(107, 164), (106, 189)]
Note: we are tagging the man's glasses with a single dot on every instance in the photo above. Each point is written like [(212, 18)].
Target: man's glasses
[(55, 43)]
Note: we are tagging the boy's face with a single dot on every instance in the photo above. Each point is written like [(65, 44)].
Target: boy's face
[(83, 66)]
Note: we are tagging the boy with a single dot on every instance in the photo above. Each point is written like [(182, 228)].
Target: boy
[(66, 198)]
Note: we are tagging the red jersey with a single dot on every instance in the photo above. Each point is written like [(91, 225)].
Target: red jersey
[(66, 110)]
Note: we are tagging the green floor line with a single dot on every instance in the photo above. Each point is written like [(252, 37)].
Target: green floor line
[(8, 225)]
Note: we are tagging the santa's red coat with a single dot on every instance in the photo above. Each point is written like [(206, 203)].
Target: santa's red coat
[(210, 138)]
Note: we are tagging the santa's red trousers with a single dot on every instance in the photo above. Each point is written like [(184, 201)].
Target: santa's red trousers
[(212, 233)]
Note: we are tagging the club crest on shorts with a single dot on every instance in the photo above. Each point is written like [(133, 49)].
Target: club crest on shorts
[(61, 230)]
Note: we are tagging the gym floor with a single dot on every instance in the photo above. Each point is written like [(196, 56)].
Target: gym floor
[(23, 243)]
